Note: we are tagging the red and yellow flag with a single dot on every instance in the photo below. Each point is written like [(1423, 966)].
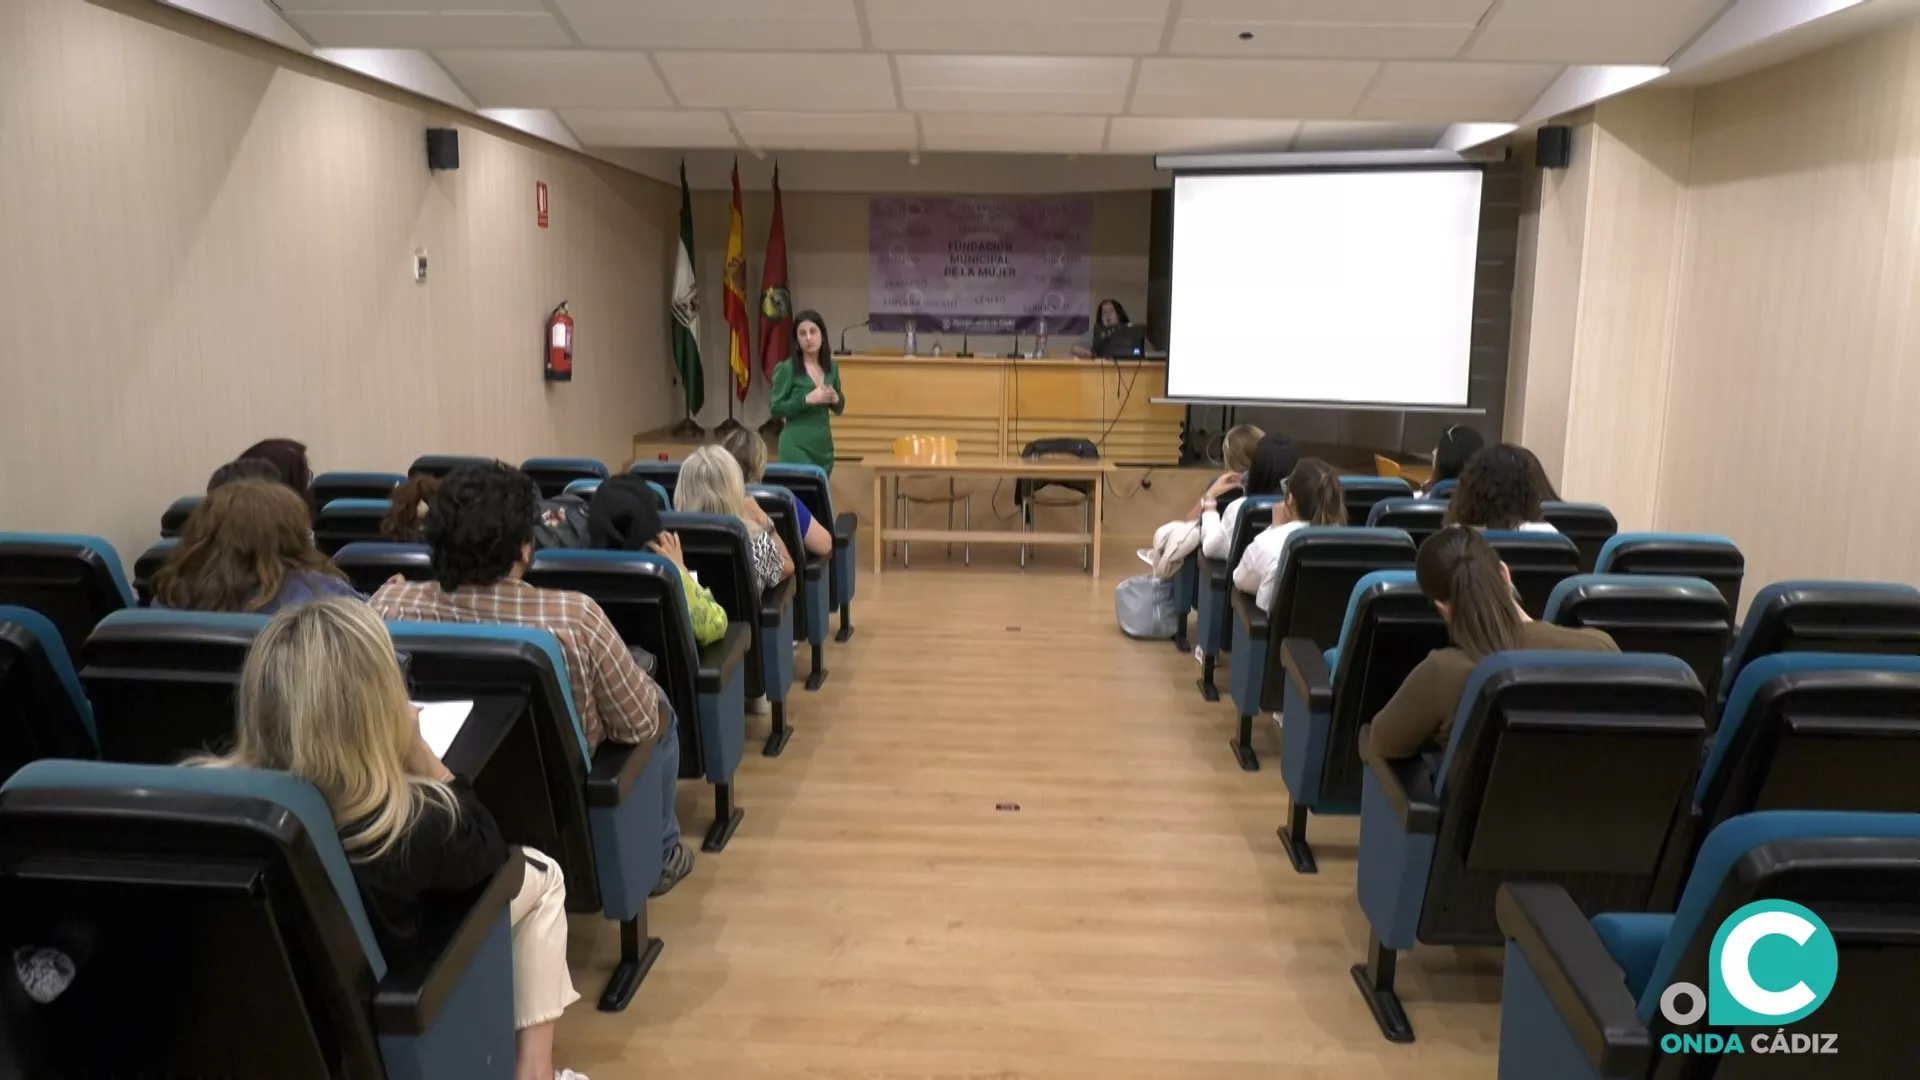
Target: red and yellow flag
[(736, 301)]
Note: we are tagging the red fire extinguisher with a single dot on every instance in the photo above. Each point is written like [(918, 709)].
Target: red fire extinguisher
[(559, 345)]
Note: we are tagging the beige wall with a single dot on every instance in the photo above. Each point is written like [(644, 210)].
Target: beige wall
[(199, 249), (827, 268)]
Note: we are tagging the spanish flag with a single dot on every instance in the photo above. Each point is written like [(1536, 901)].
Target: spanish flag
[(736, 304)]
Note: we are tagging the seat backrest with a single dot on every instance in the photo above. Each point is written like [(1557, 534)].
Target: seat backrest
[(1390, 626), (1816, 731), (175, 517), (162, 683), (553, 474), (441, 464), (1361, 492), (227, 935), (1320, 565), (1564, 767), (74, 580), (1061, 448), (1588, 525), (148, 565), (370, 564), (345, 521), (715, 550), (1418, 518), (779, 505), (664, 473), (329, 486), (1882, 618), (43, 714), (1252, 519), (809, 484), (1859, 874), (582, 488), (1443, 490), (1537, 561), (1679, 616), (1701, 555)]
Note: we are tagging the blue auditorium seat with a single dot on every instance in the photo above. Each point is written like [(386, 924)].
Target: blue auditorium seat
[(1361, 492), (809, 484), (1561, 767), (74, 580), (1213, 610), (1443, 490), (553, 474), (1701, 555), (346, 521), (1680, 616), (1390, 626), (162, 682), (715, 550), (1418, 518), (1321, 565), (369, 564), (329, 486), (439, 465), (1882, 618), (664, 473), (643, 597), (598, 814), (1588, 525), (1580, 999), (1537, 561), (148, 565), (583, 489), (43, 714), (223, 934), (175, 517), (811, 599)]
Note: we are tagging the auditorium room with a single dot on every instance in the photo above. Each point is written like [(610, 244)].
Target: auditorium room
[(938, 540)]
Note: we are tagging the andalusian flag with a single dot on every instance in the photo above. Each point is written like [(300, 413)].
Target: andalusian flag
[(737, 348), (686, 308)]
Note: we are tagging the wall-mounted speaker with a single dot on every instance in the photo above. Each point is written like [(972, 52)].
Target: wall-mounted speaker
[(443, 148), (1554, 147)]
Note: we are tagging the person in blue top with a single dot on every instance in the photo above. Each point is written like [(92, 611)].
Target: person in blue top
[(248, 547)]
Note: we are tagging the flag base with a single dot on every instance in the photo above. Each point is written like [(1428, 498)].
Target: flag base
[(688, 429), (770, 431)]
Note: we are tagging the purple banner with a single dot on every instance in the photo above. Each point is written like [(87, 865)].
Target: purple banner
[(979, 265)]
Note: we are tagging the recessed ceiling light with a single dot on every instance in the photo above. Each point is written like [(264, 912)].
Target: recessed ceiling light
[(1246, 35)]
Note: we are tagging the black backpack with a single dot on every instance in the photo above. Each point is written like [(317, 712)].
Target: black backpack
[(562, 523)]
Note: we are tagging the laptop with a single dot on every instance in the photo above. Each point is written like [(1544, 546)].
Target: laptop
[(1125, 342)]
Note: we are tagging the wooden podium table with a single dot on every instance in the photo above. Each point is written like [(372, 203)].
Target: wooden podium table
[(995, 407), (890, 467)]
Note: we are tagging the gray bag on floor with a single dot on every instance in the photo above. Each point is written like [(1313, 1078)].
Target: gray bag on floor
[(1145, 607)]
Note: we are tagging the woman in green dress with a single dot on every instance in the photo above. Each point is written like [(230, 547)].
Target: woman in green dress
[(805, 388)]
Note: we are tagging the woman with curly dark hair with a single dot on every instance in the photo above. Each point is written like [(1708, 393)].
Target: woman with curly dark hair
[(247, 547), (1498, 490)]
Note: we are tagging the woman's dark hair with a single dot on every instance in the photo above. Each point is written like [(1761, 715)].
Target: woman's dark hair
[(1542, 486), (1451, 451), (1274, 458), (826, 343), (624, 515), (1497, 490), (1457, 567), (1314, 487), (237, 549), (289, 459), (478, 523), (246, 468), (406, 520), (1101, 331)]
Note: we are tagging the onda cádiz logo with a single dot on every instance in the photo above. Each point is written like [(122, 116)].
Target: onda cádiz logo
[(1773, 963)]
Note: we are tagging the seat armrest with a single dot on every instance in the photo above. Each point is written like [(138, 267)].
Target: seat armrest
[(1409, 790), (1213, 571), (421, 978), (844, 528), (773, 602), (816, 566), (615, 767), (1587, 987), (718, 660), (646, 660), (1307, 672), (1247, 610)]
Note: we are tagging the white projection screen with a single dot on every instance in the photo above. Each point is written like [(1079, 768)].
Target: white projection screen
[(1351, 288)]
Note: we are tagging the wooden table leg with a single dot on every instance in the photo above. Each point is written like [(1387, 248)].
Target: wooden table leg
[(879, 524), (1099, 512)]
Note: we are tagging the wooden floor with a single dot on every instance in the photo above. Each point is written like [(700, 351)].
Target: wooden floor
[(878, 916)]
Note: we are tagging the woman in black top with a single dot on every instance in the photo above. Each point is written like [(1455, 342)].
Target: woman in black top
[(322, 698)]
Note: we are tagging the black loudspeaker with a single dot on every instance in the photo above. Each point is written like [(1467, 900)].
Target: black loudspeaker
[(443, 148), (1554, 148)]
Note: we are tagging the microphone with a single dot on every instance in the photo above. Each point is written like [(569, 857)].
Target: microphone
[(843, 332), (964, 350)]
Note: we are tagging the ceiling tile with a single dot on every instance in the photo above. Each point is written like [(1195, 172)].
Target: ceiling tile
[(712, 24), (557, 78), (1618, 32), (1019, 133), (430, 30), (1366, 135), (1250, 88), (1379, 12), (1156, 135), (1057, 27), (1455, 91), (803, 82), (986, 84), (673, 129), (1359, 41), (827, 131)]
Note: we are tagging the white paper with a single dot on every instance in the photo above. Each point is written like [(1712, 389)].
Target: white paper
[(441, 721)]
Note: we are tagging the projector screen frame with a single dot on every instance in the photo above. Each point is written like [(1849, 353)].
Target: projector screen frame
[(1385, 166)]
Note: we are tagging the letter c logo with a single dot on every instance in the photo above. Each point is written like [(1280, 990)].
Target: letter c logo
[(1736, 955), (1772, 962)]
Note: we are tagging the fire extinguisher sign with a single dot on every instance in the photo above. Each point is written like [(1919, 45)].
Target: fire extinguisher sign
[(540, 202)]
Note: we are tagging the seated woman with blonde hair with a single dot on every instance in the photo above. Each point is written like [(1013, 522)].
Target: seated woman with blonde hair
[(321, 698), (711, 483), (247, 547), (750, 451)]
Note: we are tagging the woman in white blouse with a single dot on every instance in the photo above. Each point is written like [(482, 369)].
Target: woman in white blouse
[(1273, 458)]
